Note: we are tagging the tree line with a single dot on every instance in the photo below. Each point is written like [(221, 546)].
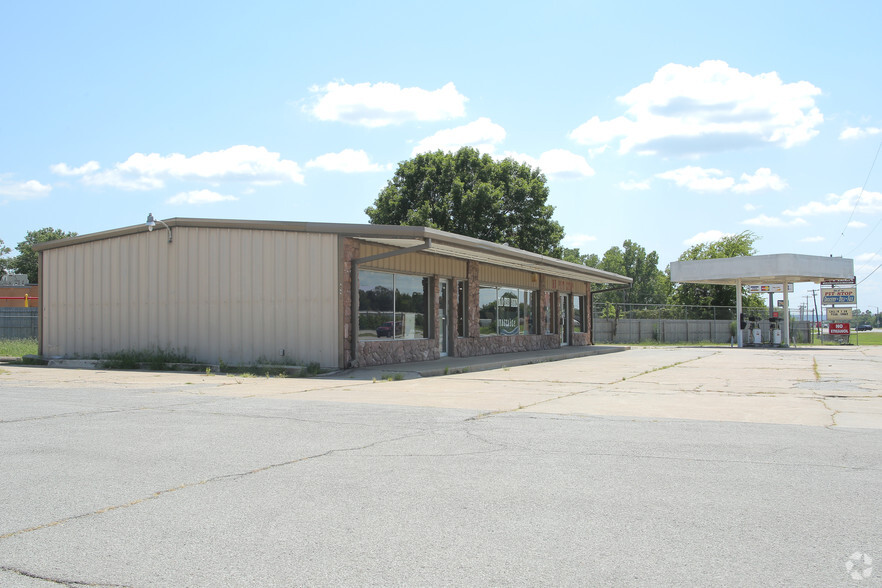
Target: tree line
[(26, 262), (506, 202)]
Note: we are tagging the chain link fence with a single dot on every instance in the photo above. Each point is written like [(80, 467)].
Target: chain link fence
[(18, 323), (668, 323)]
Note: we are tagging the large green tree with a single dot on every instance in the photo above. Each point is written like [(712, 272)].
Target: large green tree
[(573, 255), (650, 285), (4, 261), (26, 262), (472, 194), (739, 245)]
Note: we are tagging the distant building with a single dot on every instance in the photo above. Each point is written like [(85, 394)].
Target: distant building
[(16, 291)]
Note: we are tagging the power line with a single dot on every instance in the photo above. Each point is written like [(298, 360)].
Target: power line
[(858, 201), (870, 274)]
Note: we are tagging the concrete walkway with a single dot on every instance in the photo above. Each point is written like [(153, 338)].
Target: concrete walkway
[(460, 365), (815, 386)]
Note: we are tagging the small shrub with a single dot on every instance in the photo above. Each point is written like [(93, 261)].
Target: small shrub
[(131, 359), (311, 369)]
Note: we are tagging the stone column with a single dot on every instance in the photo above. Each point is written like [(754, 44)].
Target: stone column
[(474, 294), (543, 286)]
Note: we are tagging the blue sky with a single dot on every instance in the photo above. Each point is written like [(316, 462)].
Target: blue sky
[(663, 123)]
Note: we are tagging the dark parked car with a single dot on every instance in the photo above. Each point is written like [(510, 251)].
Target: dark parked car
[(385, 330), (864, 327)]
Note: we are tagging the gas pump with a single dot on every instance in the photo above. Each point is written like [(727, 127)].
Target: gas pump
[(755, 331), (775, 327)]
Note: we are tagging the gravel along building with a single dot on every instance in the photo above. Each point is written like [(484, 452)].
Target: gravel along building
[(342, 295)]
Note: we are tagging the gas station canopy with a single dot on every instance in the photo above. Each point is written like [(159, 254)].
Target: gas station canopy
[(781, 268)]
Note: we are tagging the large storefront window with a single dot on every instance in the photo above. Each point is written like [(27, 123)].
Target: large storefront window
[(393, 306), (506, 311)]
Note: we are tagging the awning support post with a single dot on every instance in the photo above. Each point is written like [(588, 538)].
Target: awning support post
[(738, 333), (786, 341)]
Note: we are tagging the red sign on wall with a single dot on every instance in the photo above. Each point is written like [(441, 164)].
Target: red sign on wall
[(840, 328)]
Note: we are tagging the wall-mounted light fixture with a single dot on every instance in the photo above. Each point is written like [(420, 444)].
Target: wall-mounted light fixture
[(151, 223)]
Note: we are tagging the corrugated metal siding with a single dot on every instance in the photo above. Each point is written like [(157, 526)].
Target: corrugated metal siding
[(503, 276), (428, 264), (230, 294), (414, 263)]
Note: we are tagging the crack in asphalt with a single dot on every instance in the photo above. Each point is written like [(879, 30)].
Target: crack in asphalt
[(100, 412), (578, 392), (59, 581), (833, 412), (620, 455), (186, 485)]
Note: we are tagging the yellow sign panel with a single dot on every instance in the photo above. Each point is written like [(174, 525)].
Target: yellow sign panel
[(838, 313)]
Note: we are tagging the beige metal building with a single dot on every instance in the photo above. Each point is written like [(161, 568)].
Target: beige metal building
[(341, 295)]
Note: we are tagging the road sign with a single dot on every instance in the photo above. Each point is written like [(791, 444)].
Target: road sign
[(837, 281), (840, 328), (838, 296), (838, 313), (769, 288)]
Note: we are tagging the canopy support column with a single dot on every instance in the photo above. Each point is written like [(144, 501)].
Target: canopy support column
[(786, 341), (738, 332)]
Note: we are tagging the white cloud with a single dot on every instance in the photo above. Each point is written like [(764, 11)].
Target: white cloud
[(633, 185), (773, 222), (699, 179), (347, 161), (870, 203), (558, 164), (702, 179), (856, 225), (482, 134), (713, 107), (246, 163), (750, 207), (706, 237), (812, 240), (26, 190), (858, 133), (382, 104), (763, 179), (62, 169), (581, 240), (868, 258), (199, 197)]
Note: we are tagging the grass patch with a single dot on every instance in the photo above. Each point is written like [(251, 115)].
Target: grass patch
[(311, 369), (866, 338), (272, 370), (131, 359), (18, 347), (392, 377)]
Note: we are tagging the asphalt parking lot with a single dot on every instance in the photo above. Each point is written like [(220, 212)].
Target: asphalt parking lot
[(656, 466)]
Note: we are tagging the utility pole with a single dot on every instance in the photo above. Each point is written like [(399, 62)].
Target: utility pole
[(818, 320)]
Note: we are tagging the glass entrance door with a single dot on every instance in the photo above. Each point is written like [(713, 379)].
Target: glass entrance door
[(443, 312), (564, 319)]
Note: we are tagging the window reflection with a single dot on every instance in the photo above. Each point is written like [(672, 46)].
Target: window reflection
[(392, 306)]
